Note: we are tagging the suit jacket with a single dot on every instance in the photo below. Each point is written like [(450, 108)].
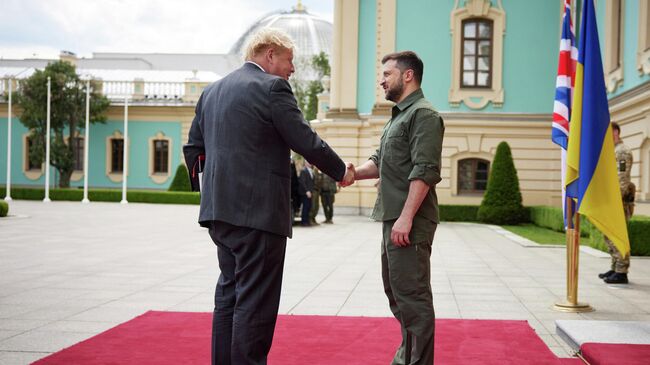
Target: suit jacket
[(245, 125), (306, 182)]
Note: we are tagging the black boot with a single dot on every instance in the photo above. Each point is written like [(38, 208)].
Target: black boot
[(605, 274), (616, 278)]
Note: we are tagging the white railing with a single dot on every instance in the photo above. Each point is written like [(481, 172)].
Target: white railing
[(143, 91), (140, 90)]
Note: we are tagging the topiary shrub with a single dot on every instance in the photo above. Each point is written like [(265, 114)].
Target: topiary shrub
[(4, 208), (181, 180), (502, 200)]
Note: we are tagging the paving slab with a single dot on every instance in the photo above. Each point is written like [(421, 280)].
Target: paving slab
[(70, 270)]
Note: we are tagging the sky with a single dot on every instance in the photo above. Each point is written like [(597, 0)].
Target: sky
[(42, 28)]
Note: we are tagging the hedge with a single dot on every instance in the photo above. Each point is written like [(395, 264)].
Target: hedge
[(4, 208), (459, 213), (638, 229), (107, 195)]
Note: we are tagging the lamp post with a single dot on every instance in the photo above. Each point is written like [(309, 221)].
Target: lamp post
[(86, 143), (47, 144), (8, 193)]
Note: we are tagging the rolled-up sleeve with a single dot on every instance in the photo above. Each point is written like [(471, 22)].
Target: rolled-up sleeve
[(375, 158), (425, 141)]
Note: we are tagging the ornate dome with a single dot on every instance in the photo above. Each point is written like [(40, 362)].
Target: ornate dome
[(310, 33)]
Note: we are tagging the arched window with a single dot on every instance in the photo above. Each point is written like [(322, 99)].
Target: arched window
[(473, 175), (476, 64), (29, 164)]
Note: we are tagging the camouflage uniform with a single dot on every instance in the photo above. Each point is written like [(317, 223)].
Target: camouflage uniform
[(624, 166), (327, 191)]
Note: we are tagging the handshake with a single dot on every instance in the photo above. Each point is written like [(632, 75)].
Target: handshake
[(349, 177)]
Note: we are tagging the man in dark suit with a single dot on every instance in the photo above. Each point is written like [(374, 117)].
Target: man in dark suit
[(245, 126), (306, 191)]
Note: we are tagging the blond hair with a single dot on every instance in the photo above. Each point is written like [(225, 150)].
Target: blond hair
[(265, 38)]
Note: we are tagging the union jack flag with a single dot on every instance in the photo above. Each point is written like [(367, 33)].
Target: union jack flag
[(566, 71), (564, 83)]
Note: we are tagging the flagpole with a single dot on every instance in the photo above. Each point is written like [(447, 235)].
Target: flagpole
[(86, 143), (125, 150), (571, 304), (8, 191), (47, 145)]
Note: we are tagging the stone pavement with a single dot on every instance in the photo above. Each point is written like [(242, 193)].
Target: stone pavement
[(69, 271)]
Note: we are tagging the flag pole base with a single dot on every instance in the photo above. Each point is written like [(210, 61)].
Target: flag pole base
[(573, 307)]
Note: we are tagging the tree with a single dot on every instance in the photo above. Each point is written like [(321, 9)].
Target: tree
[(68, 113), (307, 84), (502, 200)]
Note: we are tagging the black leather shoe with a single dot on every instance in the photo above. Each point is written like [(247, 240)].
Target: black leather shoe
[(616, 278), (606, 274)]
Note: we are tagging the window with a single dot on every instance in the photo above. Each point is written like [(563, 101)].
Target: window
[(117, 155), (161, 156), (472, 175), (643, 45), (78, 153), (476, 67), (29, 165), (477, 34)]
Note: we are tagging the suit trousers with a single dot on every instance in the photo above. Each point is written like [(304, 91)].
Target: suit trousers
[(406, 274), (247, 296), (306, 210)]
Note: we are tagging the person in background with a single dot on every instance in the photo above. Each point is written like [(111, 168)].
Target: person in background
[(620, 266)]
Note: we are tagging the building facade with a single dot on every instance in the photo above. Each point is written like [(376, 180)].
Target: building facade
[(490, 70)]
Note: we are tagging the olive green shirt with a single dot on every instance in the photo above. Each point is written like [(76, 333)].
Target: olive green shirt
[(410, 148)]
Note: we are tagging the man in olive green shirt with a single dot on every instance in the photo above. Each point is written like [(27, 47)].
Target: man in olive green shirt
[(408, 166)]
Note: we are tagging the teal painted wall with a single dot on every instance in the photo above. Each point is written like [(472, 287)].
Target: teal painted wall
[(367, 81), (531, 46), (139, 134)]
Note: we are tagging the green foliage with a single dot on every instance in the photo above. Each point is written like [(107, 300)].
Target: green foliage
[(637, 228), (306, 91), (108, 195), (541, 235), (181, 180), (502, 200), (67, 116), (459, 213), (4, 208)]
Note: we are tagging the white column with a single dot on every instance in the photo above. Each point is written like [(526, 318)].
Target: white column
[(386, 32), (125, 150), (86, 143), (47, 145), (8, 192)]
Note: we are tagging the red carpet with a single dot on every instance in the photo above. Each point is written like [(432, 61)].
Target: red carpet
[(615, 354), (184, 338)]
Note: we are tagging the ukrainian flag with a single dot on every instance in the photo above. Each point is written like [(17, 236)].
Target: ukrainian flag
[(591, 163)]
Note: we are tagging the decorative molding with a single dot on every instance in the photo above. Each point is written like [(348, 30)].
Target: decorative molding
[(643, 46), (476, 98), (639, 91), (159, 178), (613, 66), (385, 43)]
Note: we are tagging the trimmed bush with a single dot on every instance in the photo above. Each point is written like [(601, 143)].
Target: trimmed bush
[(502, 200), (108, 195), (181, 180), (4, 208), (459, 213)]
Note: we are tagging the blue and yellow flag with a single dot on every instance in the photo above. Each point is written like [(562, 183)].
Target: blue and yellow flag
[(591, 163)]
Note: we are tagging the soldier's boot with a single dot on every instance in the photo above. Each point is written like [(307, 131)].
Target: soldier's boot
[(605, 274), (616, 278)]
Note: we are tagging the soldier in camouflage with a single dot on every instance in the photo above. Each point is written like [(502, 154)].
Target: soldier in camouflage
[(620, 265)]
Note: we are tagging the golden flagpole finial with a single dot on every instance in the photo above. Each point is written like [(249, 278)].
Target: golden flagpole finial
[(299, 6)]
